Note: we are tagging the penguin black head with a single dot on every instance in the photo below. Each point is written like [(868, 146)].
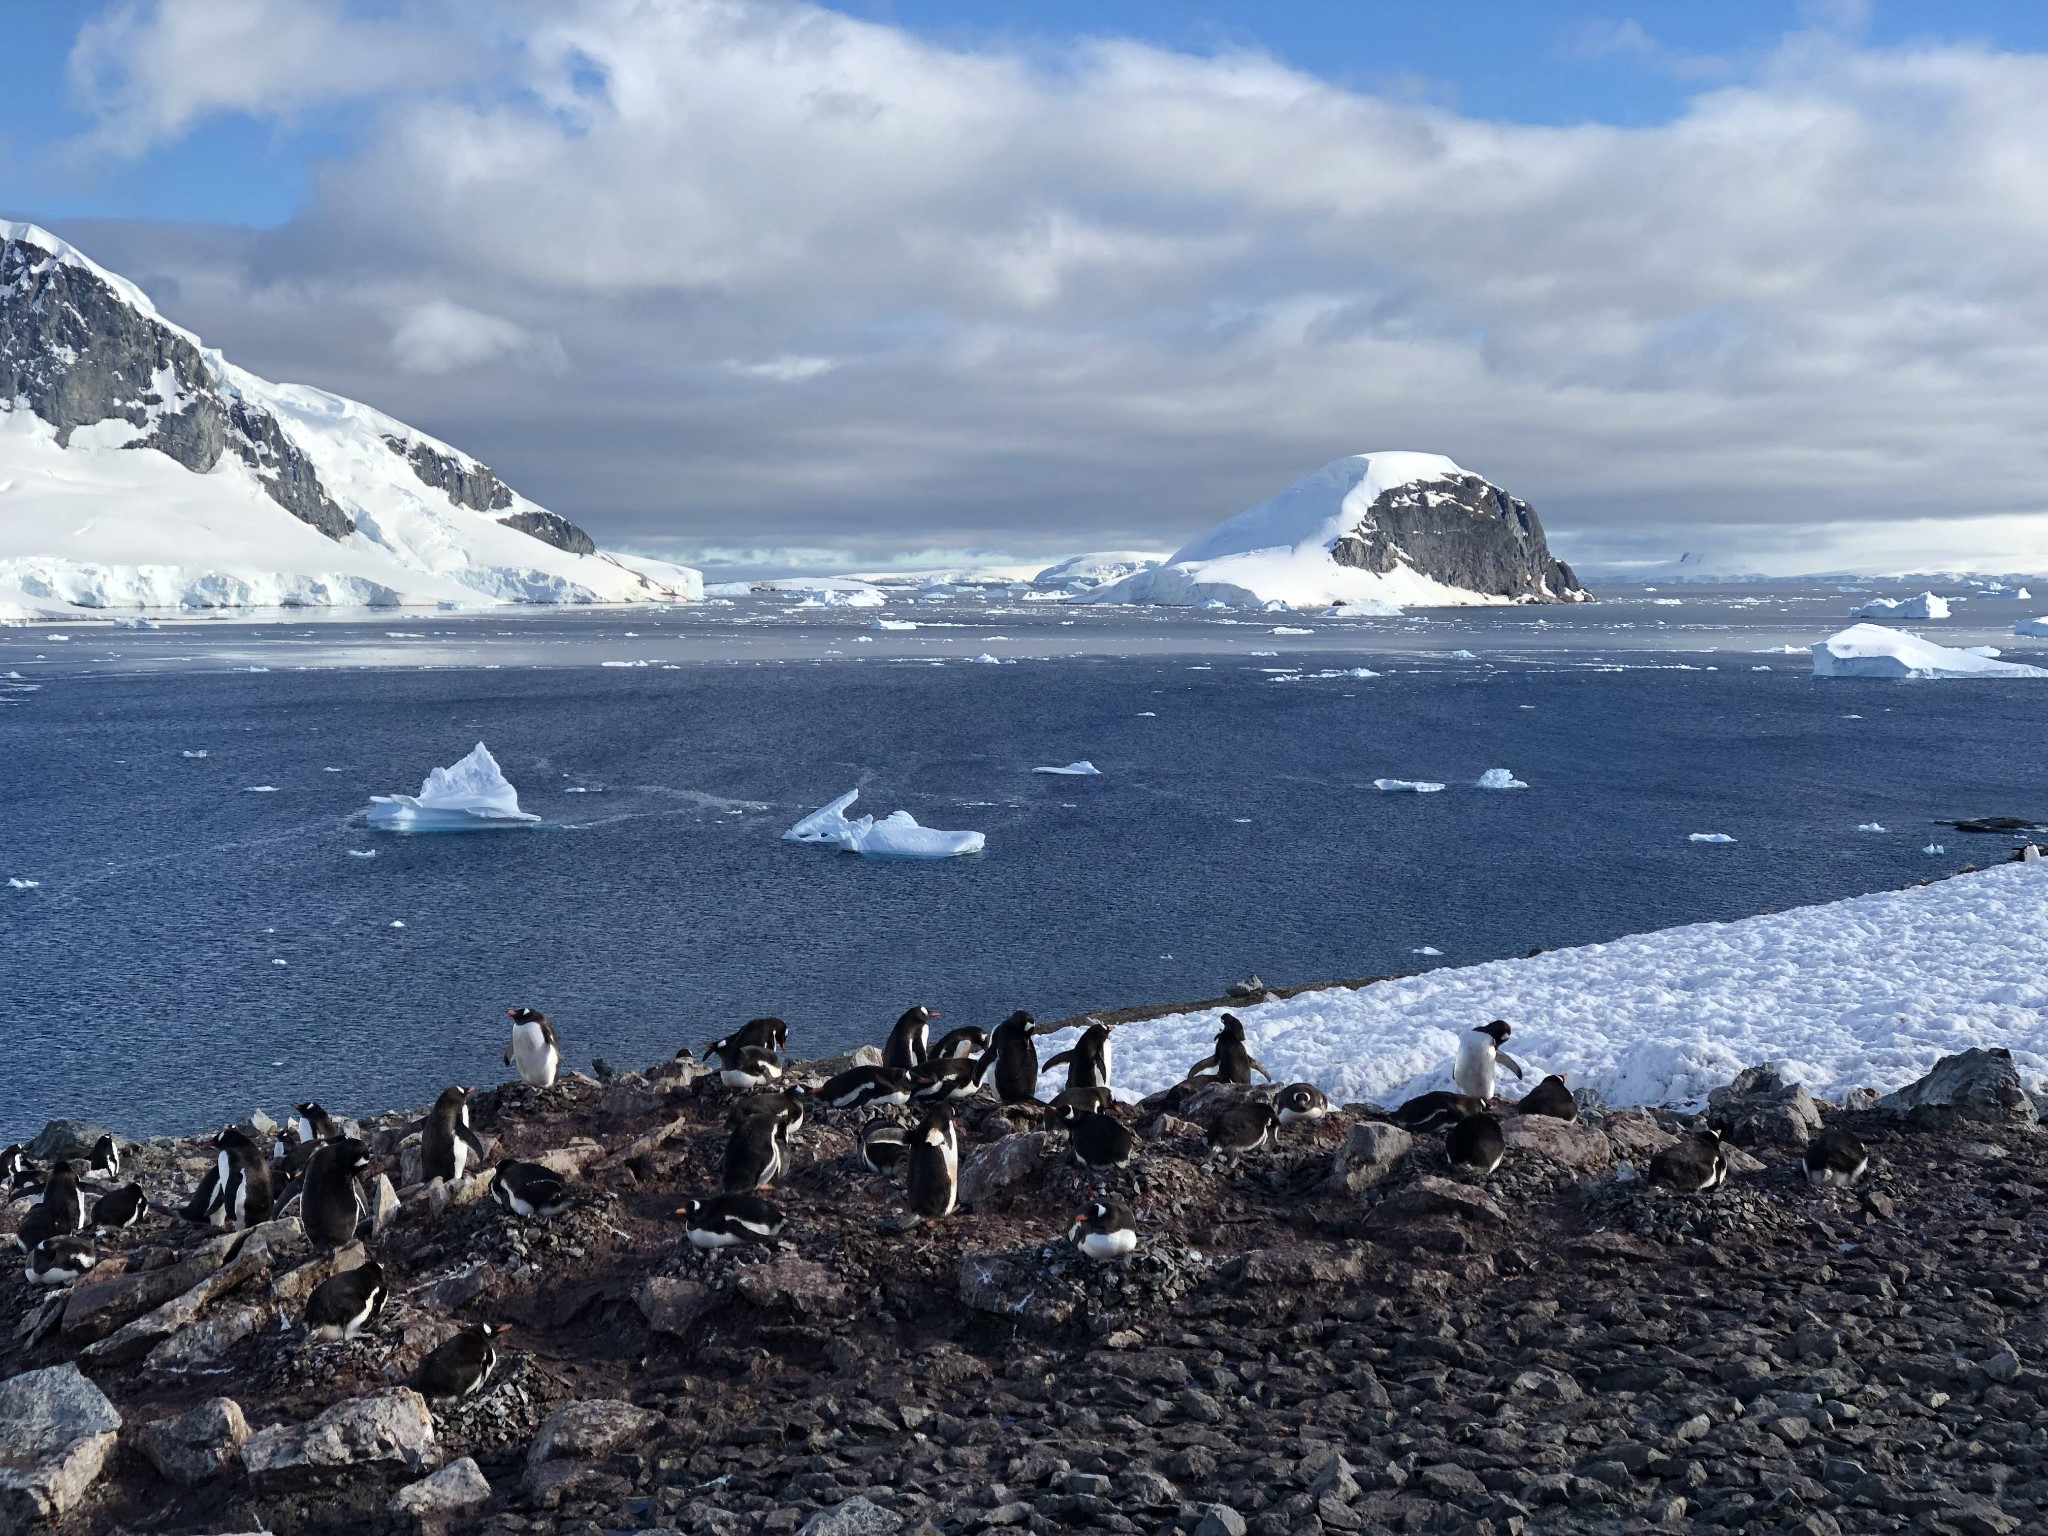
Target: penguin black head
[(1498, 1031), (918, 1015), (1094, 1210), (689, 1208), (1018, 1020), (1066, 1111), (1233, 1027)]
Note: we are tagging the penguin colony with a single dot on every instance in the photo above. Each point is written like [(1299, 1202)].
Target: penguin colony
[(906, 1127)]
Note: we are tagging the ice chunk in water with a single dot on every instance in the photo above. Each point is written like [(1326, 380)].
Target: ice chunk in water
[(470, 796), (1408, 786), (897, 836), (1078, 770), (1500, 778), (1709, 837)]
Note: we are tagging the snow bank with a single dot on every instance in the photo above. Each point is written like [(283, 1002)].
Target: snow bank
[(1870, 650), (1925, 606), (469, 796), (1081, 769), (896, 836), (1865, 992)]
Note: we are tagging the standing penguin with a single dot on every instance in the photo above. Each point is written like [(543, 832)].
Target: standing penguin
[(314, 1123), (1013, 1056), (13, 1160), (933, 1183), (756, 1154), (242, 1192), (330, 1205), (62, 1199), (449, 1147), (1476, 1144), (767, 1034), (909, 1041), (534, 1047), (104, 1162), (1230, 1061), (343, 1305), (461, 1366), (1550, 1097), (1480, 1059), (1835, 1157), (1087, 1059)]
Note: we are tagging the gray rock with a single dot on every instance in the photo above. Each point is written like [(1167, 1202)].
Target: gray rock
[(673, 1306), (1371, 1152), (389, 1433), (205, 1341), (197, 1445), (804, 1285), (56, 1429), (1975, 1085), (1761, 1109), (260, 1247), (1001, 1164), (457, 1490), (1432, 1196), (383, 1204), (1570, 1144), (589, 1429), (1220, 1520), (1464, 532), (64, 1138), (858, 1516), (97, 1306)]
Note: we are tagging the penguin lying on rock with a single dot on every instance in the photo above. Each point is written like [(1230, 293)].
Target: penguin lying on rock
[(1301, 1101), (1835, 1157), (59, 1260), (1550, 1097), (1103, 1231), (884, 1144), (1476, 1144), (727, 1221), (955, 1043), (1695, 1165), (461, 1366), (860, 1086), (343, 1305), (1435, 1111), (529, 1189), (1100, 1142), (119, 1208), (1248, 1127)]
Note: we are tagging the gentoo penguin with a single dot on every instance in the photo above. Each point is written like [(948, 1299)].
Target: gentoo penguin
[(1087, 1059), (725, 1221), (528, 1189), (1245, 1127), (756, 1154), (1476, 1144), (933, 1183), (534, 1048), (38, 1224), (59, 1260), (461, 1366), (1099, 1142), (859, 1086), (103, 1165), (1013, 1057), (242, 1190), (343, 1305), (1696, 1164), (884, 1144), (910, 1041), (748, 1066), (945, 1082), (769, 1034), (449, 1148), (1301, 1101), (119, 1208), (1836, 1157), (62, 1199), (1103, 1231), (203, 1207), (964, 1041), (330, 1205), (1230, 1062), (13, 1160), (787, 1106), (314, 1123), (1549, 1097), (1480, 1058), (1085, 1100), (1434, 1111)]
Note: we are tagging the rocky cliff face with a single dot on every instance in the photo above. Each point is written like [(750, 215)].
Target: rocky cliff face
[(1465, 532)]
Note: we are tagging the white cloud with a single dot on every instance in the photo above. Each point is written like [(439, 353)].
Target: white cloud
[(786, 369), (441, 337)]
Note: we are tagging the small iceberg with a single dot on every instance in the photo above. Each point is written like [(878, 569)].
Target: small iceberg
[(200, 753), (1407, 786), (1078, 770), (1500, 778), (2031, 627), (896, 836), (1869, 826), (470, 796), (1290, 629), (1871, 650), (1709, 837), (16, 883), (1925, 606)]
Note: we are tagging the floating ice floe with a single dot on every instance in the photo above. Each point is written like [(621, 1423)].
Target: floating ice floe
[(470, 796), (2031, 627), (1426, 949), (17, 884), (260, 789), (1709, 837), (1077, 770), (987, 660), (200, 753), (1407, 786), (857, 597), (1871, 650), (1934, 848), (1289, 629), (362, 853), (896, 836), (1925, 606), (1500, 778), (1869, 826)]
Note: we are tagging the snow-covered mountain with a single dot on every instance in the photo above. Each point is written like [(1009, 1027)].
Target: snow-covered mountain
[(140, 469), (1401, 528), (1093, 570)]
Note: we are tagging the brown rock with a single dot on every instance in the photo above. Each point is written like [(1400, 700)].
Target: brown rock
[(197, 1445), (1569, 1143), (1001, 1164), (802, 1284), (673, 1306)]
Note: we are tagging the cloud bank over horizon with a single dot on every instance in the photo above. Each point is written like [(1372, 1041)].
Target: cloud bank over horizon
[(760, 280)]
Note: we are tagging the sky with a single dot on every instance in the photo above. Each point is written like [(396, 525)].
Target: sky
[(772, 286)]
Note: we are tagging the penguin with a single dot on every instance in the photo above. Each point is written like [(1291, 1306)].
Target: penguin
[(449, 1147), (534, 1048), (528, 1189), (1301, 1101), (946, 1082), (1099, 1142), (955, 1043), (1102, 1230), (1480, 1058), (1013, 1058), (1836, 1157), (787, 1106), (343, 1305), (910, 1041), (1087, 1059), (1085, 1100), (59, 1260), (314, 1123), (860, 1086), (103, 1164), (62, 1199), (1476, 1144), (756, 1154), (1696, 1164), (1435, 1111), (1245, 1127), (1230, 1062), (728, 1220), (39, 1224), (242, 1191), (461, 1366), (203, 1208), (748, 1066), (119, 1208), (884, 1144), (289, 1158), (1549, 1097), (330, 1205), (13, 1160), (933, 1183), (768, 1034), (26, 1181)]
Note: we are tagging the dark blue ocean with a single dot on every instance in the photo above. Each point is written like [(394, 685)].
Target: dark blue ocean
[(192, 947)]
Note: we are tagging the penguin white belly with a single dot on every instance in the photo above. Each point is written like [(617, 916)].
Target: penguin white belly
[(1475, 1074), (537, 1060), (703, 1237), (1106, 1048), (1103, 1246), (461, 1157)]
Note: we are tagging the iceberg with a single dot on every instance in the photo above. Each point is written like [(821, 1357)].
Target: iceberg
[(1925, 606), (1871, 650), (1410, 786), (1500, 778), (2031, 627), (1709, 837), (1079, 770), (469, 796), (896, 836)]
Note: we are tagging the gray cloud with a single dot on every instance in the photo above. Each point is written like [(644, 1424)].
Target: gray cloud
[(795, 281)]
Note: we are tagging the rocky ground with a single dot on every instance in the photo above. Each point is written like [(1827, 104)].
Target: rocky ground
[(1338, 1336)]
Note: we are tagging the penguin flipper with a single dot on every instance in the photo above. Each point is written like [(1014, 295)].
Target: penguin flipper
[(1206, 1064), (1064, 1056), (1510, 1063), (508, 1055), (1259, 1067)]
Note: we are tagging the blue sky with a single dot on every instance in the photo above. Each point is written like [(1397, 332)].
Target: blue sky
[(764, 284)]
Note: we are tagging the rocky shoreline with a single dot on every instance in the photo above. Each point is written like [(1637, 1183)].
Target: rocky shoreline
[(1335, 1336)]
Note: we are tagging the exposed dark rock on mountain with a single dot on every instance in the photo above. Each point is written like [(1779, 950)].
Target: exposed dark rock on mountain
[(1465, 532)]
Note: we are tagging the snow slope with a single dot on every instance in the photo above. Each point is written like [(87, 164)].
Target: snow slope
[(1871, 650), (1092, 570), (1864, 992)]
